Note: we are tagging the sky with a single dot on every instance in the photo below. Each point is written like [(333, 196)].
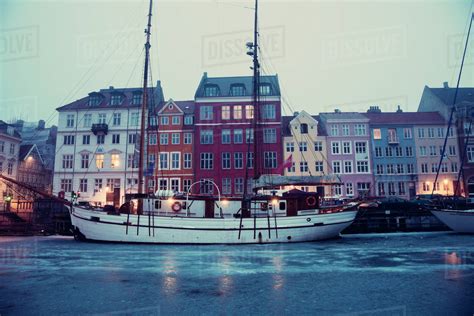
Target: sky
[(328, 55)]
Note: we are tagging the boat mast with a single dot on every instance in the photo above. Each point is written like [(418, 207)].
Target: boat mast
[(256, 95), (141, 159)]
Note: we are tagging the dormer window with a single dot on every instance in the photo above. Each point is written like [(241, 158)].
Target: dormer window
[(237, 90), (94, 100), (137, 98), (116, 99), (265, 89), (211, 91), (304, 128)]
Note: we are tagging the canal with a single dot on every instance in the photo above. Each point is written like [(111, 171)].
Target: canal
[(373, 274)]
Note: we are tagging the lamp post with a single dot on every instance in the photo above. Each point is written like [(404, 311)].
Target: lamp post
[(446, 186)]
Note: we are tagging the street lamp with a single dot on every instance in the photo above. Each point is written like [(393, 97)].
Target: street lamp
[(446, 186)]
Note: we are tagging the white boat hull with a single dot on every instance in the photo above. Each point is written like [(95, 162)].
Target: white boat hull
[(99, 226), (461, 221)]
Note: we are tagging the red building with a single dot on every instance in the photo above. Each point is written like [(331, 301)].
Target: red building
[(224, 132), (170, 147)]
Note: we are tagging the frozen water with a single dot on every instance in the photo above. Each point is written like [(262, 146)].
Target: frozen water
[(375, 274)]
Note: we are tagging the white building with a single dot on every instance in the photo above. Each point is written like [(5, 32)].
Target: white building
[(97, 143), (10, 141)]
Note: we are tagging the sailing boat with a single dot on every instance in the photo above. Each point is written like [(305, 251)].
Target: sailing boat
[(293, 216), (456, 214)]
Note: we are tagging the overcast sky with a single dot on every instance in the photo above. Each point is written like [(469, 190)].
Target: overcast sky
[(328, 54)]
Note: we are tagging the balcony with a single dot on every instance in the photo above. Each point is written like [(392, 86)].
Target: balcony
[(393, 140), (100, 129)]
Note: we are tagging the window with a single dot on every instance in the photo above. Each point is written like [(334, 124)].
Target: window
[(102, 118), (292, 168), (377, 133), (175, 138), (391, 188), (226, 160), (451, 132), (163, 184), (225, 112), (117, 119), (100, 139), (2, 146), (334, 130), (319, 166), (98, 184), (175, 120), (86, 139), (345, 130), (409, 151), (349, 189), (424, 168), (360, 130), (347, 166), (186, 185), (269, 136), (211, 91), (87, 120), (238, 160), (226, 186), (346, 148), (470, 153), (440, 132), (265, 89), (249, 135), (336, 166), (290, 147), (83, 185), (422, 150), (360, 147), (163, 161), (85, 161), (303, 146), (388, 151), (205, 112), (188, 138), (152, 139), (175, 161), (337, 189), (452, 150), (407, 133), (207, 161), (249, 111), (99, 161), (410, 168), (381, 188), (66, 185), (187, 161), (134, 119), (237, 112), (444, 167), (225, 136), (400, 168), (379, 169), (207, 136), (12, 147), (421, 133), (303, 166), (392, 136), (432, 150), (132, 162), (431, 132), (137, 98), (378, 152), (68, 140), (335, 148), (114, 160), (239, 185), (390, 169), (270, 160), (164, 120), (318, 146), (362, 166), (113, 183), (67, 161), (238, 136), (269, 111), (164, 139), (398, 151), (70, 120), (188, 120), (434, 167), (249, 160), (132, 138), (116, 138), (454, 167)]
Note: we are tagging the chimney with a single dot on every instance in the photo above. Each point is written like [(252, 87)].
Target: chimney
[(205, 74), (296, 113), (374, 109), (41, 125), (337, 111), (445, 85), (399, 110)]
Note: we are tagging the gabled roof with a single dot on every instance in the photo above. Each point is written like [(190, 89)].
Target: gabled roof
[(286, 120), (9, 129), (186, 106), (224, 84), (26, 150), (405, 118), (155, 97), (446, 95)]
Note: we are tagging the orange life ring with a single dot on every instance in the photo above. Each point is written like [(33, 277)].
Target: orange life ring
[(311, 201), (176, 207)]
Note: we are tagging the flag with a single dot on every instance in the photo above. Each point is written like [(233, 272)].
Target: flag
[(286, 164)]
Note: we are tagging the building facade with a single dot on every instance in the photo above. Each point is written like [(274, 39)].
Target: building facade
[(33, 171), (348, 153), (97, 144), (304, 141), (10, 141), (170, 147), (224, 150)]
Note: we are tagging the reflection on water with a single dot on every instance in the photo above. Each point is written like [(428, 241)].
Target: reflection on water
[(278, 279), (170, 273)]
